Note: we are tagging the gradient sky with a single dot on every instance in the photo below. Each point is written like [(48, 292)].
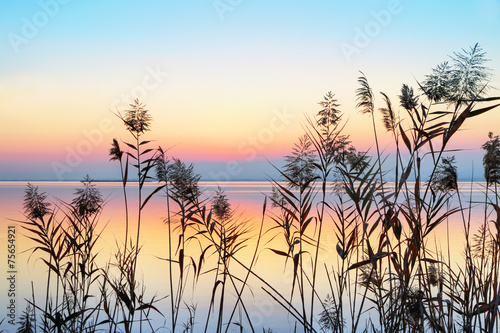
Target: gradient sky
[(228, 82)]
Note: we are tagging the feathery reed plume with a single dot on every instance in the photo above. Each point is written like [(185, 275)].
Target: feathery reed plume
[(162, 165), (35, 206), (364, 95), (483, 246), (299, 168), (137, 118), (88, 201), (469, 77), (184, 182), (445, 176), (466, 79), (330, 115), (279, 201), (433, 275), (328, 318), (389, 118), (407, 99), (221, 206), (491, 159), (26, 321), (436, 85), (115, 152)]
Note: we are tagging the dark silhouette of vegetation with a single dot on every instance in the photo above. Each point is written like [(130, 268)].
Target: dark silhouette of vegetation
[(491, 159), (221, 207), (445, 176), (330, 115), (386, 275), (26, 321), (184, 182), (299, 168), (35, 204), (465, 79)]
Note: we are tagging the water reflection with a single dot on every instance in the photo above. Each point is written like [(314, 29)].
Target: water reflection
[(246, 199)]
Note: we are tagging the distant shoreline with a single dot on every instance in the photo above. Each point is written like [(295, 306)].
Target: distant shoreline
[(202, 181)]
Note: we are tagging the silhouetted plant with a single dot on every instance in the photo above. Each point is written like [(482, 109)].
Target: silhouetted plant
[(162, 164), (88, 200), (381, 232), (117, 155), (295, 219), (366, 104), (335, 145), (299, 168), (35, 204), (128, 294), (221, 207), (67, 248), (26, 321), (329, 321), (181, 185), (445, 176), (82, 273), (184, 182), (364, 96), (339, 148), (137, 121), (388, 115), (483, 244), (226, 236), (137, 118), (469, 77), (115, 151), (330, 115), (48, 235), (437, 85), (407, 99), (465, 79), (491, 159), (357, 160)]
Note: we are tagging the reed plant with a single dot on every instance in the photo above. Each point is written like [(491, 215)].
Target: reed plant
[(67, 247), (383, 228), (215, 230), (388, 273), (123, 292), (180, 184)]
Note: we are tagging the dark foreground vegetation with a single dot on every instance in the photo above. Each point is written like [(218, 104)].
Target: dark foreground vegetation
[(388, 275)]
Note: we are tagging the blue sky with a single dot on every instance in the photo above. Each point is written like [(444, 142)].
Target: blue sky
[(213, 73)]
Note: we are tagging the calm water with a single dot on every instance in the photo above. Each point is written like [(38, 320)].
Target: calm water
[(246, 199)]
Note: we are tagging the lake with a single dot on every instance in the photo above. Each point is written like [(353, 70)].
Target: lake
[(246, 200)]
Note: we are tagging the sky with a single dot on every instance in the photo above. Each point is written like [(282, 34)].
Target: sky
[(229, 83)]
